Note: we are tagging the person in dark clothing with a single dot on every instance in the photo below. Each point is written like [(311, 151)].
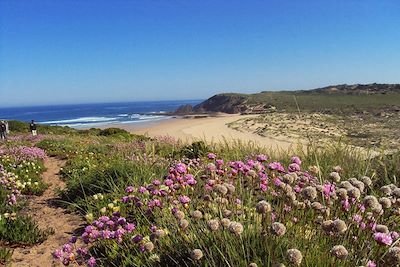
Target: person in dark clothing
[(3, 130), (32, 126)]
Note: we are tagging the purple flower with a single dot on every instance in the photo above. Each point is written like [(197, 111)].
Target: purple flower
[(73, 239), (121, 221), (125, 199), (137, 238), (181, 168), (82, 251), (65, 261), (57, 254), (67, 248), (184, 199)]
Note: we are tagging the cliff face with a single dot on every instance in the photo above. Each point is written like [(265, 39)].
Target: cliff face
[(227, 103)]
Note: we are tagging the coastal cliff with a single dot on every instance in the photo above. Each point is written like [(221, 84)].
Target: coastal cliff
[(335, 98)]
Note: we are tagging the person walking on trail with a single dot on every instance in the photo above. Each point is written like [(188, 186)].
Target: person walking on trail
[(7, 128), (3, 130), (32, 126)]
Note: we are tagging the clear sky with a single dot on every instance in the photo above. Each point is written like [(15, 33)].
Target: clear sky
[(104, 51)]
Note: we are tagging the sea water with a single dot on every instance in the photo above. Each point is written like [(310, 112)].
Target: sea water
[(93, 115)]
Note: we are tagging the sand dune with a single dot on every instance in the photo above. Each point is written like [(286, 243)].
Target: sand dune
[(212, 129)]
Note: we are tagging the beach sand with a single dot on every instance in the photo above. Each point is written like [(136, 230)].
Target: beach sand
[(210, 129)]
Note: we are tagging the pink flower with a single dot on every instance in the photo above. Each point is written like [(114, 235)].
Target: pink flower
[(296, 160), (346, 205), (277, 182), (383, 238), (328, 189), (156, 182), (263, 187), (357, 218), (294, 167), (130, 227), (395, 235), (91, 262), (297, 188), (211, 156), (276, 166), (142, 190), (168, 182), (129, 189), (262, 157), (371, 264)]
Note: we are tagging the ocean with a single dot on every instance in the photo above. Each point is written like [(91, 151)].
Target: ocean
[(92, 115)]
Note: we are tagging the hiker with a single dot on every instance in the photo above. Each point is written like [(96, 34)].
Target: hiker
[(3, 130), (7, 128), (32, 126)]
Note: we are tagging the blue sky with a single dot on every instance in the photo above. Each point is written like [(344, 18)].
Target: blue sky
[(106, 51)]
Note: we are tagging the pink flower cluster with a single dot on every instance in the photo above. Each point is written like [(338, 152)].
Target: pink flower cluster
[(8, 183), (21, 153)]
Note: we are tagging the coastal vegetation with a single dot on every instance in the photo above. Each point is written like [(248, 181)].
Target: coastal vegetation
[(161, 202), (362, 115)]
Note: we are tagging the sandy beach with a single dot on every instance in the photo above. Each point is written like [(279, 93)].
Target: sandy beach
[(211, 129)]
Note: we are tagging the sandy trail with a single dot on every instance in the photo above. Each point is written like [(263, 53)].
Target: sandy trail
[(46, 214)]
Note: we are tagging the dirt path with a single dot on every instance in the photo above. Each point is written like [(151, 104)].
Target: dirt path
[(46, 214)]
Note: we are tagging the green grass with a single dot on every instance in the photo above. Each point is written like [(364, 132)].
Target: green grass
[(5, 255), (22, 231), (316, 102), (100, 167)]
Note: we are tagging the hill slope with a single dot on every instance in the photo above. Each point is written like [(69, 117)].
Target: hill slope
[(330, 99)]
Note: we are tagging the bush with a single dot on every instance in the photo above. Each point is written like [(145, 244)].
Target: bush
[(195, 150), (113, 131)]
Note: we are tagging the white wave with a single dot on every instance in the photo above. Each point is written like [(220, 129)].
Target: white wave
[(82, 119)]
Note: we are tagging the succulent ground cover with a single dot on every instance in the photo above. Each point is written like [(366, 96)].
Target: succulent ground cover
[(20, 170), (377, 130), (159, 202)]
